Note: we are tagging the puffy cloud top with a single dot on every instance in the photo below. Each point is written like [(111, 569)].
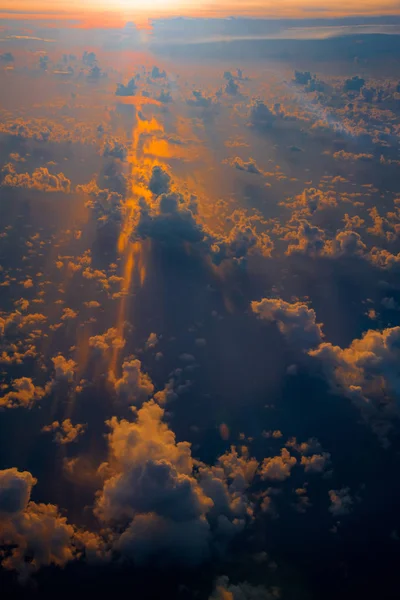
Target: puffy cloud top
[(152, 491), (15, 490), (296, 321)]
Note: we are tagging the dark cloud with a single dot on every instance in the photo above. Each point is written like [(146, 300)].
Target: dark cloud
[(127, 90), (296, 321)]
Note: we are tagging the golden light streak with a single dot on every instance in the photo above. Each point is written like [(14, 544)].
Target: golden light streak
[(133, 253)]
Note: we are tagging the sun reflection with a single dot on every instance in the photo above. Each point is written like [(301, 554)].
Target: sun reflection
[(133, 253)]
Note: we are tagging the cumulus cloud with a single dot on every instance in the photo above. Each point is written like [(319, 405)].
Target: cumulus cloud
[(126, 90), (64, 368), (260, 116), (165, 97), (347, 243), (232, 88), (309, 239), (151, 341), (23, 394), (134, 386), (341, 502), (160, 181), (384, 259), (354, 84), (311, 200), (250, 166), (107, 341), (224, 590), (156, 73), (34, 535), (366, 372), (164, 510), (343, 155), (241, 241), (302, 77), (68, 313), (65, 432), (14, 322), (278, 468), (296, 321), (199, 100), (115, 149), (107, 204), (169, 220), (316, 463), (15, 490), (41, 179)]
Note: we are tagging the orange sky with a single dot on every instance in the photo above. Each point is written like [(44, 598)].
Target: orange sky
[(94, 12)]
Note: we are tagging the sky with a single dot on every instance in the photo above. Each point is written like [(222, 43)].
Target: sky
[(93, 10), (199, 301)]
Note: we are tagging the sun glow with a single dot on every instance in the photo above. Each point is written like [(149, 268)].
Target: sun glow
[(113, 13)]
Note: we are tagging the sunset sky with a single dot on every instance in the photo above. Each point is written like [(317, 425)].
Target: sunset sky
[(199, 300), (193, 8)]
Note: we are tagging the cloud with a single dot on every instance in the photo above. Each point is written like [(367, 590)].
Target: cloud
[(343, 155), (241, 241), (23, 394), (346, 243), (278, 468), (12, 323), (94, 73), (165, 97), (296, 321), (224, 590), (163, 512), (115, 149), (160, 181), (64, 368), (169, 220), (15, 491), (34, 535), (157, 74), (250, 166), (107, 204), (308, 238), (316, 463), (107, 341), (311, 200), (147, 457), (7, 57), (89, 58), (366, 372), (341, 502), (302, 77), (200, 101), (126, 90), (47, 130), (232, 88), (384, 259), (68, 314), (152, 341), (354, 84), (65, 432), (41, 179), (260, 116), (134, 386)]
